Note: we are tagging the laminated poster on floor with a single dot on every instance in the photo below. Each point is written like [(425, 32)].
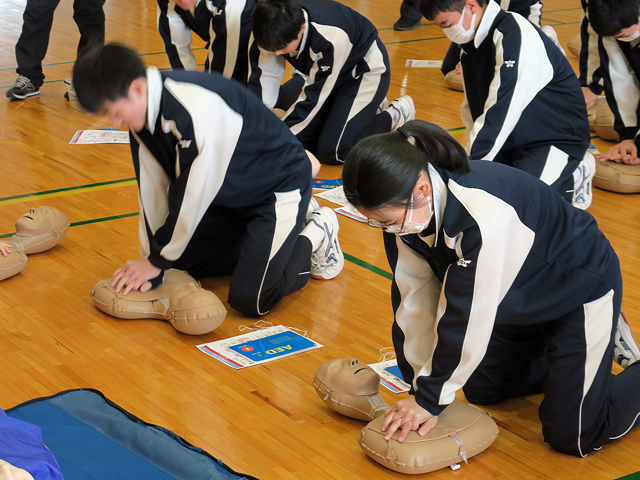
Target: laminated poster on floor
[(390, 376), (259, 346), (108, 135), (336, 195), (326, 184), (424, 63)]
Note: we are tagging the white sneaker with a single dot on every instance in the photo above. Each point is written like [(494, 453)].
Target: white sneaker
[(407, 109), (551, 33), (383, 106), (583, 182), (313, 206), (327, 260), (626, 348)]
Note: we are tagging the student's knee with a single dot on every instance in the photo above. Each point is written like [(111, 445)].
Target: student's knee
[(244, 303), (329, 156), (564, 440), (481, 395)]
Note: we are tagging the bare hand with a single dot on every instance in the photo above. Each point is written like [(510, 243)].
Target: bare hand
[(135, 275), (407, 415), (5, 249), (624, 152), (459, 68)]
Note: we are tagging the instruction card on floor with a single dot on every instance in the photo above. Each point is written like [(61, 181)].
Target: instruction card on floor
[(336, 195), (390, 376), (86, 137), (258, 347)]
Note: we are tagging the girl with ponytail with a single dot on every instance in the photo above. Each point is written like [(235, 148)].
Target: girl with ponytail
[(500, 288)]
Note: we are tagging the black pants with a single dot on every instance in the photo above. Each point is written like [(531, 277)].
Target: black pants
[(569, 359), (260, 247), (34, 40), (546, 162), (411, 9), (349, 114)]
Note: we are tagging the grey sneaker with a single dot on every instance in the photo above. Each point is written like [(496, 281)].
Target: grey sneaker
[(626, 348), (23, 88), (327, 260)]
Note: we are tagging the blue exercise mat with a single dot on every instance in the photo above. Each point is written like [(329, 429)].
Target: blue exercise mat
[(94, 439)]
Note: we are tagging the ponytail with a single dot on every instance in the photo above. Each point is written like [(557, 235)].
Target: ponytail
[(382, 170)]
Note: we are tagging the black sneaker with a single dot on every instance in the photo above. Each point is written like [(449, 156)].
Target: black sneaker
[(406, 23), (22, 89)]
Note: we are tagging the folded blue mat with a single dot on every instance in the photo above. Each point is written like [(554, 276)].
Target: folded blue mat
[(94, 439)]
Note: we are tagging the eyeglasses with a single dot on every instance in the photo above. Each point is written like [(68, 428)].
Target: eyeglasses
[(393, 228)]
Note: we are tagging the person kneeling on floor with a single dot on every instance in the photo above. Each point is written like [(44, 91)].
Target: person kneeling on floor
[(223, 185), (500, 288)]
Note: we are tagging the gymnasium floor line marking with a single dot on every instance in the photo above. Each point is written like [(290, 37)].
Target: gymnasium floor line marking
[(125, 182), (61, 192), (351, 258), (87, 222)]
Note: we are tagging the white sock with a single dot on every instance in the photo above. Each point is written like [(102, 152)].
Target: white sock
[(315, 234), (395, 115)]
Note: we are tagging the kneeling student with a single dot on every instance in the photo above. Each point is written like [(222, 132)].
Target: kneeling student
[(346, 69), (223, 185), (523, 105), (500, 288), (617, 22)]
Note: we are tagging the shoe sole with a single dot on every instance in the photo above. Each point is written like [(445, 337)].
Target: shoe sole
[(22, 97), (405, 29)]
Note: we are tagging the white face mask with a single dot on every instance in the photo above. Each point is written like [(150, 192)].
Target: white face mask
[(457, 34), (410, 227), (632, 37)]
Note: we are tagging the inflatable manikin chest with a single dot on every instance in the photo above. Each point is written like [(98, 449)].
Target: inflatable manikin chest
[(180, 300), (13, 263), (352, 389)]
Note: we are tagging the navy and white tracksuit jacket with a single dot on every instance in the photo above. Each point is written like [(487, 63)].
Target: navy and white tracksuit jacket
[(225, 26), (339, 52), (590, 74), (506, 257), (621, 70), (529, 9), (522, 94), (223, 186)]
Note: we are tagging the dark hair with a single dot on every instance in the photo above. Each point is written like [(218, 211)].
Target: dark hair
[(609, 17), (431, 8), (381, 170), (104, 73), (276, 23)]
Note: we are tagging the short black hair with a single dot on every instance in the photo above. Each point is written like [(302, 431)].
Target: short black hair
[(382, 170), (276, 23), (609, 17), (104, 73), (431, 8)]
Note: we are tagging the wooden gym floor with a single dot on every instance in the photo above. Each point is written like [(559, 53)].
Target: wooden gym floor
[(266, 421)]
